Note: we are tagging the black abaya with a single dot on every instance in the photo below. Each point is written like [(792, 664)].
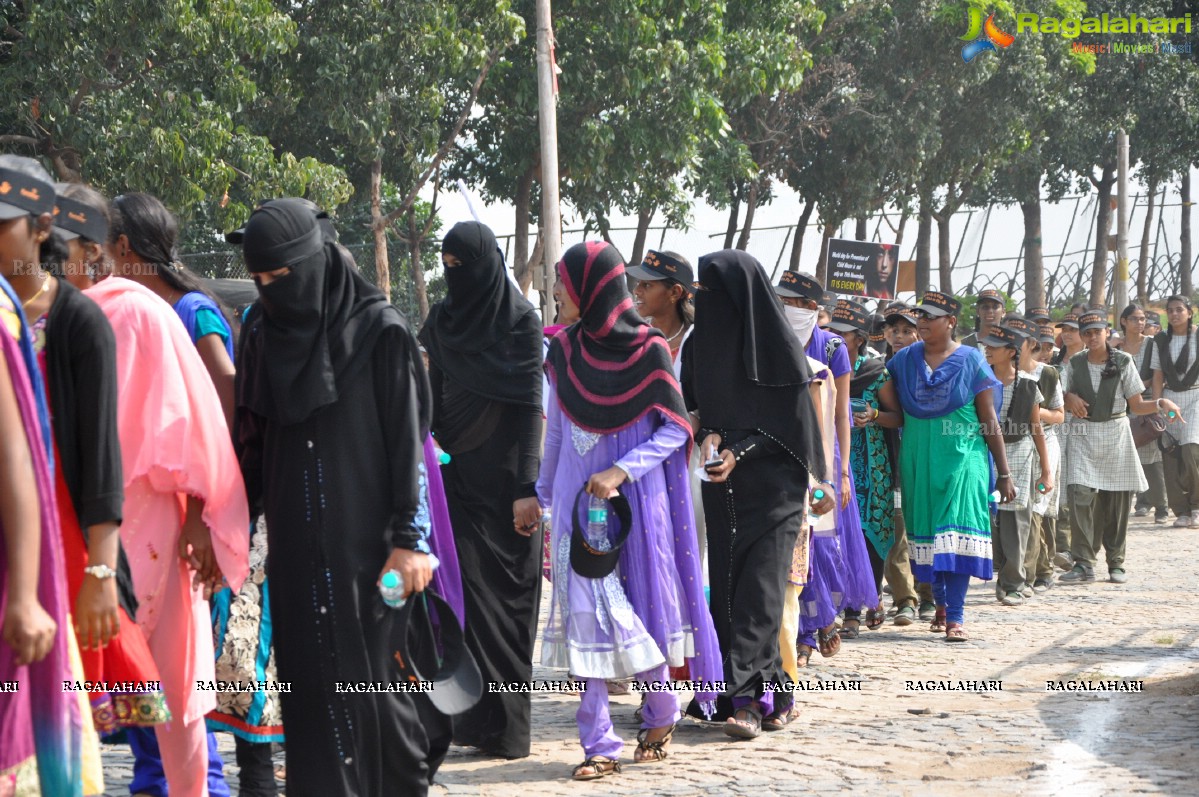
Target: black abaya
[(501, 570), (339, 493)]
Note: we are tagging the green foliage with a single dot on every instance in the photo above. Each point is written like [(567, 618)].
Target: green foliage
[(139, 95)]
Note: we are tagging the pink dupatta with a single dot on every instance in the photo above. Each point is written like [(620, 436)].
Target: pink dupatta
[(174, 443)]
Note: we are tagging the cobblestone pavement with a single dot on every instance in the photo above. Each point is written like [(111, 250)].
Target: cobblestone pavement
[(889, 739)]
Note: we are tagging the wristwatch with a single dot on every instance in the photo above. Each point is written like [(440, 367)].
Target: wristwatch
[(100, 571)]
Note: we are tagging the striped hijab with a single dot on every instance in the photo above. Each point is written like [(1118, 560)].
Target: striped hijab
[(611, 367)]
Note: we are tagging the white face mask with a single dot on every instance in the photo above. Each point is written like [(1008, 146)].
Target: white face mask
[(802, 321)]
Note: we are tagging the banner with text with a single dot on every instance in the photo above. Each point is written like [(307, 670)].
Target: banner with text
[(862, 268)]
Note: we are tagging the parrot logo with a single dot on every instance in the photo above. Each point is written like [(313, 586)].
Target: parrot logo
[(982, 36)]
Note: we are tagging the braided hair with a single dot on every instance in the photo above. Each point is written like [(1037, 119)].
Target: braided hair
[(1109, 367)]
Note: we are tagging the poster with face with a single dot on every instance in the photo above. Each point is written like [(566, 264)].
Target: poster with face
[(862, 268)]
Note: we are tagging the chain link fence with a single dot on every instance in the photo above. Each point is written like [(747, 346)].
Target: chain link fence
[(229, 265)]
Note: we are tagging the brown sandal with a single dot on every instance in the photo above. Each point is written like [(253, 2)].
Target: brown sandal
[(938, 623), (955, 632), (648, 751), (830, 641), (600, 767)]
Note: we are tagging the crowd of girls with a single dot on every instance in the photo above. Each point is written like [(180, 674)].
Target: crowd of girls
[(719, 476)]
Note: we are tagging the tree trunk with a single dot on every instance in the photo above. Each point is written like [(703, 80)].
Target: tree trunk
[(859, 231), (903, 222), (379, 230), (415, 237), (730, 232), (1034, 265), (1184, 274), (826, 235), (800, 229), (1146, 232), (522, 268), (1103, 223), (924, 236), (644, 217), (747, 226), (944, 256)]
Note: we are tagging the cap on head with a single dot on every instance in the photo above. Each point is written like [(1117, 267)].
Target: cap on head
[(1068, 320), (800, 286), (1039, 315), (990, 295), (1021, 326), (1000, 337), (849, 316), (74, 219), (938, 304), (657, 266), (1092, 319), (25, 188)]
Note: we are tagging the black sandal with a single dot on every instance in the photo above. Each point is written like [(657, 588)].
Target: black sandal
[(745, 728), (601, 767), (830, 641), (851, 631), (652, 752), (780, 719)]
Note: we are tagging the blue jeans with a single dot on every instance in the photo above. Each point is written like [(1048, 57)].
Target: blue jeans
[(148, 777), (949, 590)]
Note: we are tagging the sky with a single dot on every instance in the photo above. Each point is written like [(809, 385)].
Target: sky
[(1066, 229)]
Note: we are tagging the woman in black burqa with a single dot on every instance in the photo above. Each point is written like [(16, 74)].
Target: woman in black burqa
[(745, 375), (484, 345), (332, 412)]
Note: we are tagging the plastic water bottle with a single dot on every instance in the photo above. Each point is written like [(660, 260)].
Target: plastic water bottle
[(817, 496), (597, 520), (391, 586)]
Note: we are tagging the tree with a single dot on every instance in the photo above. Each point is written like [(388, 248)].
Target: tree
[(387, 89), (140, 95)]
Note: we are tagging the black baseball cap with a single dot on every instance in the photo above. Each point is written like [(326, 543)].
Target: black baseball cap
[(900, 312), (800, 286), (1068, 320), (657, 266), (1021, 326), (990, 295), (73, 219), (591, 562), (426, 631), (849, 316), (1092, 319), (1046, 334), (24, 195), (1039, 315), (1001, 336), (939, 304)]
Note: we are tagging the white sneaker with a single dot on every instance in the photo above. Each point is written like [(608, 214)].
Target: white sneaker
[(1195, 519), (1183, 522)]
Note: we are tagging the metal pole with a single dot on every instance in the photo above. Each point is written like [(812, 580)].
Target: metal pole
[(1120, 277), (547, 100)]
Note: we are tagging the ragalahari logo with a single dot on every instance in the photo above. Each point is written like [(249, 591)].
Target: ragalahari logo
[(983, 36)]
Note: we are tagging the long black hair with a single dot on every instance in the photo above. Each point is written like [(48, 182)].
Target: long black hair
[(1184, 356), (1125, 313), (54, 254), (152, 231)]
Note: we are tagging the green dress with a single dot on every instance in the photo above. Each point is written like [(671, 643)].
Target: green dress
[(945, 466)]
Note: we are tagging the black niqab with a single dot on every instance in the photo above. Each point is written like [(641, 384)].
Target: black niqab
[(314, 325), (745, 366), (482, 334)]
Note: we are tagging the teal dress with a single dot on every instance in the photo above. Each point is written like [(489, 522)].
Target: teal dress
[(874, 481)]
